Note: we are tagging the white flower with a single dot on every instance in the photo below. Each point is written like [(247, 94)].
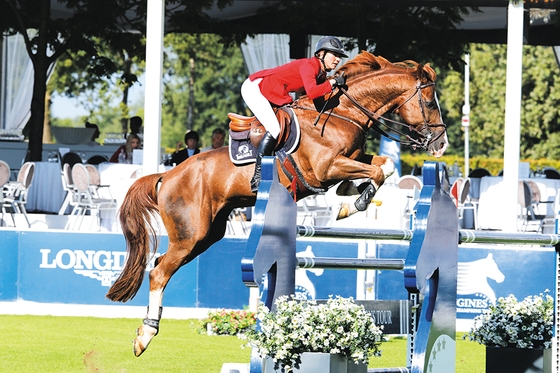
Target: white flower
[(509, 323), (339, 326)]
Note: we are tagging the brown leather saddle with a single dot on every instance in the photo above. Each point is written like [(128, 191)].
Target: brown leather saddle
[(246, 134), (240, 124)]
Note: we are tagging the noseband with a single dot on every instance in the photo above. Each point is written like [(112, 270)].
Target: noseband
[(423, 141)]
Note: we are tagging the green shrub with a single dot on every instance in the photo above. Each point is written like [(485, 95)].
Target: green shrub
[(494, 165), (227, 322)]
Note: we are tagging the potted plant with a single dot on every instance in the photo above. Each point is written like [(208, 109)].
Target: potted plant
[(290, 337), (516, 334)]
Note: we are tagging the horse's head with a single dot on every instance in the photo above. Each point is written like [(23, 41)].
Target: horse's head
[(419, 108), (491, 269), (406, 89)]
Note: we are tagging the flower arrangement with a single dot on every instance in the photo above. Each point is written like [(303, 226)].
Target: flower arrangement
[(509, 323), (338, 326), (227, 322)]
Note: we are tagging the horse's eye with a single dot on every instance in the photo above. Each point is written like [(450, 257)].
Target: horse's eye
[(432, 104)]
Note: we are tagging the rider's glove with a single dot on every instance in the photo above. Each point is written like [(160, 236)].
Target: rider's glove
[(340, 80)]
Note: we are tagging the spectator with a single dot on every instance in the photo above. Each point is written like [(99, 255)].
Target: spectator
[(191, 143), (218, 138), (135, 125), (95, 135), (132, 142)]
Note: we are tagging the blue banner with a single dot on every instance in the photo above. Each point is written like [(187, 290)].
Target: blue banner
[(71, 267), (484, 273), (8, 264)]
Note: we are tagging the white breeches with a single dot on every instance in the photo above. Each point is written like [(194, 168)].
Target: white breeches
[(260, 106)]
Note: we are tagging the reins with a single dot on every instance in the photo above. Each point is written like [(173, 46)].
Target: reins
[(424, 140)]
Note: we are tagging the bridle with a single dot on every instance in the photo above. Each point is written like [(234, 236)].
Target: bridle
[(423, 141)]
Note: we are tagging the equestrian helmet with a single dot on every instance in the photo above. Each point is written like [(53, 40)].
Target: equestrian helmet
[(331, 44)]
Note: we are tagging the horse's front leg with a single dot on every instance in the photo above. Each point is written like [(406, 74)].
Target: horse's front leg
[(375, 173)]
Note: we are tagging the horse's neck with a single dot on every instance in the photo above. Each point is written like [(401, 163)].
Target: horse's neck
[(377, 92), (380, 91)]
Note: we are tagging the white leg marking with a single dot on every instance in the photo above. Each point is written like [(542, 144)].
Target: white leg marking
[(155, 301), (388, 168)]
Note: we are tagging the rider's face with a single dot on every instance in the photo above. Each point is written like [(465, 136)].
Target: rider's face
[(331, 60)]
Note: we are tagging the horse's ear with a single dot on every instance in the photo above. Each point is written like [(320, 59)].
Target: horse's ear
[(420, 73), (376, 62), (430, 72)]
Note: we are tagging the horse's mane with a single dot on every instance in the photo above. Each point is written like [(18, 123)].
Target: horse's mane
[(366, 62)]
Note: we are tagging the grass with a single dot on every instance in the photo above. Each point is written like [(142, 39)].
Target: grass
[(47, 344)]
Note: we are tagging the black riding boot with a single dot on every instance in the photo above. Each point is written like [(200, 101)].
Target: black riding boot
[(265, 148)]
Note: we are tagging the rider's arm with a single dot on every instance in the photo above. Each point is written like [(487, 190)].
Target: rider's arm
[(308, 74)]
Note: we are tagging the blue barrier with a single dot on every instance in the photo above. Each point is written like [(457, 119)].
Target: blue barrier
[(430, 268)]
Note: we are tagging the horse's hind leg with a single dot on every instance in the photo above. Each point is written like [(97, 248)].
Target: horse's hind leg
[(183, 247)]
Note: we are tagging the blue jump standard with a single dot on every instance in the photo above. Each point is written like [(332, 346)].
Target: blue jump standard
[(430, 268)]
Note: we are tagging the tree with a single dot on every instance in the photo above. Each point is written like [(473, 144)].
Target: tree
[(97, 78), (540, 113), (216, 74), (48, 36)]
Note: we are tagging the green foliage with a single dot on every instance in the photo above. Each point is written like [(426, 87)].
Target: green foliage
[(494, 165), (227, 322), (540, 114), (102, 76), (202, 85), (53, 35)]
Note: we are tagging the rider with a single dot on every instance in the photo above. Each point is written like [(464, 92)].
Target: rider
[(272, 87)]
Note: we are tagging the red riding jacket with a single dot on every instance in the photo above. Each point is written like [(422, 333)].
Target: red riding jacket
[(297, 76)]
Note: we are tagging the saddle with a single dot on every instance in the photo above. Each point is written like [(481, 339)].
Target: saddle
[(246, 134)]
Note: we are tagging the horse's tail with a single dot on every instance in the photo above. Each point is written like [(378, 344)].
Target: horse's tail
[(135, 214)]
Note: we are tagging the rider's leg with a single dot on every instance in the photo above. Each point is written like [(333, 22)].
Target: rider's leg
[(265, 148), (262, 109)]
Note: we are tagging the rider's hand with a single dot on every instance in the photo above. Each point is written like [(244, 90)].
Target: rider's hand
[(340, 80)]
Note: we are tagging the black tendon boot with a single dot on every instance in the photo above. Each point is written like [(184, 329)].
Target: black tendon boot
[(265, 148), (365, 198)]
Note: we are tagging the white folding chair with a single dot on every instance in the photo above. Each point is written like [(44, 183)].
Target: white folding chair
[(85, 200), (68, 186), (412, 185), (95, 183), (464, 202), (527, 200), (15, 193), (4, 178)]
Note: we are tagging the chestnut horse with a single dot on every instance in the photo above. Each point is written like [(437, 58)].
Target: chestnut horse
[(195, 198)]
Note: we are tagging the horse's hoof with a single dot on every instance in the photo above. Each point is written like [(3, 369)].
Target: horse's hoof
[(346, 209), (138, 347), (145, 334)]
